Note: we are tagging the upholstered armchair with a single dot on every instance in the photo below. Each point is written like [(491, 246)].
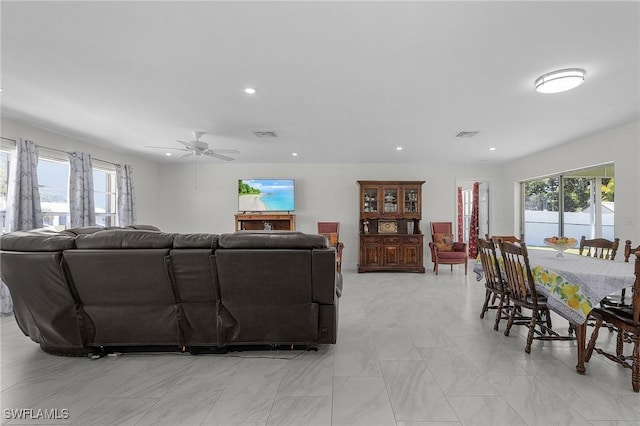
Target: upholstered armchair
[(444, 250)]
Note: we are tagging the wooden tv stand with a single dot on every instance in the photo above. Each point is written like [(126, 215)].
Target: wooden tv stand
[(262, 221)]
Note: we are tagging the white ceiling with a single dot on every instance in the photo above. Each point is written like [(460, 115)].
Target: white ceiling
[(337, 81)]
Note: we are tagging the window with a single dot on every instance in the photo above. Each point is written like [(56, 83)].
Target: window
[(571, 204), (5, 157), (104, 190), (53, 181)]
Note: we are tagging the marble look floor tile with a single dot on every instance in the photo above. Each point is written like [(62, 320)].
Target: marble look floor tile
[(361, 401), (352, 382), (582, 393), (179, 409), (301, 410), (309, 375), (116, 411), (356, 356), (394, 343), (414, 392), (485, 411), (455, 375), (249, 395), (535, 403), (208, 375)]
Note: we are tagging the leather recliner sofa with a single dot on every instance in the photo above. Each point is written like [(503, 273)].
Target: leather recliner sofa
[(81, 289)]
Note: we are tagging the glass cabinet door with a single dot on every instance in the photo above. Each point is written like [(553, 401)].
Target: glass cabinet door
[(390, 200), (411, 200), (370, 200)]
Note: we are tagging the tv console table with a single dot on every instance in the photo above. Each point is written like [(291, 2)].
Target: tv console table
[(265, 221)]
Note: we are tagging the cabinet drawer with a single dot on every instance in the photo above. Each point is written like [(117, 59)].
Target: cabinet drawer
[(412, 240), (391, 240)]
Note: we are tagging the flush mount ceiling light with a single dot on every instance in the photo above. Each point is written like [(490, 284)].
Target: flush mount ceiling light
[(560, 81), (249, 90)]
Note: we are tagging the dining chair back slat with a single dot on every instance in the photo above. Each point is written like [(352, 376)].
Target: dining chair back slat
[(599, 247)]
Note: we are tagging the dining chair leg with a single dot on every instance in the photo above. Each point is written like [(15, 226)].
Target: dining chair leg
[(485, 306), (592, 340), (635, 367), (512, 314), (532, 327), (499, 313), (620, 344)]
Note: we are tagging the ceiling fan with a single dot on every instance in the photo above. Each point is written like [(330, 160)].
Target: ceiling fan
[(197, 147)]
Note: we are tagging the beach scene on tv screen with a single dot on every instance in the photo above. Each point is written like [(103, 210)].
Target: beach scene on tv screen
[(266, 195)]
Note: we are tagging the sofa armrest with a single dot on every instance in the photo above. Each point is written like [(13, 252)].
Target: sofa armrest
[(325, 278)]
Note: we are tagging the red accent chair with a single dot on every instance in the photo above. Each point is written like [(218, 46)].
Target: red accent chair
[(331, 230), (444, 250)]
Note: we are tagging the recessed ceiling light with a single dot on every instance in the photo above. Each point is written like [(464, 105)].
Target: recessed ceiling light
[(398, 148), (295, 154), (250, 90), (168, 154), (560, 81), (492, 148)]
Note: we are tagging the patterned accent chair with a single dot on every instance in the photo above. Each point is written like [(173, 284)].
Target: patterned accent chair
[(444, 250)]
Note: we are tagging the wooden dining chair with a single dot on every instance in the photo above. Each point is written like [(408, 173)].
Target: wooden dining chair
[(621, 298), (599, 247), (626, 319), (522, 293), (509, 238), (496, 288), (628, 251), (602, 248)]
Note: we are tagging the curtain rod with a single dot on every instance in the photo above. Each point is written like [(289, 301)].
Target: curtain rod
[(63, 151)]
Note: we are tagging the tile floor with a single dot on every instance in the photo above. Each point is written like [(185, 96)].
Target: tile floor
[(411, 351)]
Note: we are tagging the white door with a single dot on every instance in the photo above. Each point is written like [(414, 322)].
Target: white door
[(483, 209)]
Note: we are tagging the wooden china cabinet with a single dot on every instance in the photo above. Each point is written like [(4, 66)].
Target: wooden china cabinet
[(390, 236)]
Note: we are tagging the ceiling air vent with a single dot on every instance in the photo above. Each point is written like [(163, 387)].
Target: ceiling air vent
[(265, 134), (466, 134)]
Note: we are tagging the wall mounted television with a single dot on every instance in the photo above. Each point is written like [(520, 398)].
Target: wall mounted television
[(266, 195)]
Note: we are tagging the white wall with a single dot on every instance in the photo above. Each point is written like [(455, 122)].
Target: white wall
[(620, 146), (145, 172), (324, 192), (167, 194)]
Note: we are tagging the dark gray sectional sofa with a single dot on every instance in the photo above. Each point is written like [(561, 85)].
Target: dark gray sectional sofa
[(85, 289)]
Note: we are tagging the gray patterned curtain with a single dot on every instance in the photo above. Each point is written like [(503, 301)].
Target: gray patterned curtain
[(23, 197), (81, 204), (126, 198)]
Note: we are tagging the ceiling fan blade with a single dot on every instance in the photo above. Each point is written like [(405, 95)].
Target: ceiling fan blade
[(227, 151), (165, 147), (216, 155), (187, 144)]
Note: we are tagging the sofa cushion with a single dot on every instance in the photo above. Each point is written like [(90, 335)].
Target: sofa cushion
[(125, 239), (36, 240), (199, 241), (272, 240)]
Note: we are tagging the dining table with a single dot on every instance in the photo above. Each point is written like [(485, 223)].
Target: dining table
[(574, 285)]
